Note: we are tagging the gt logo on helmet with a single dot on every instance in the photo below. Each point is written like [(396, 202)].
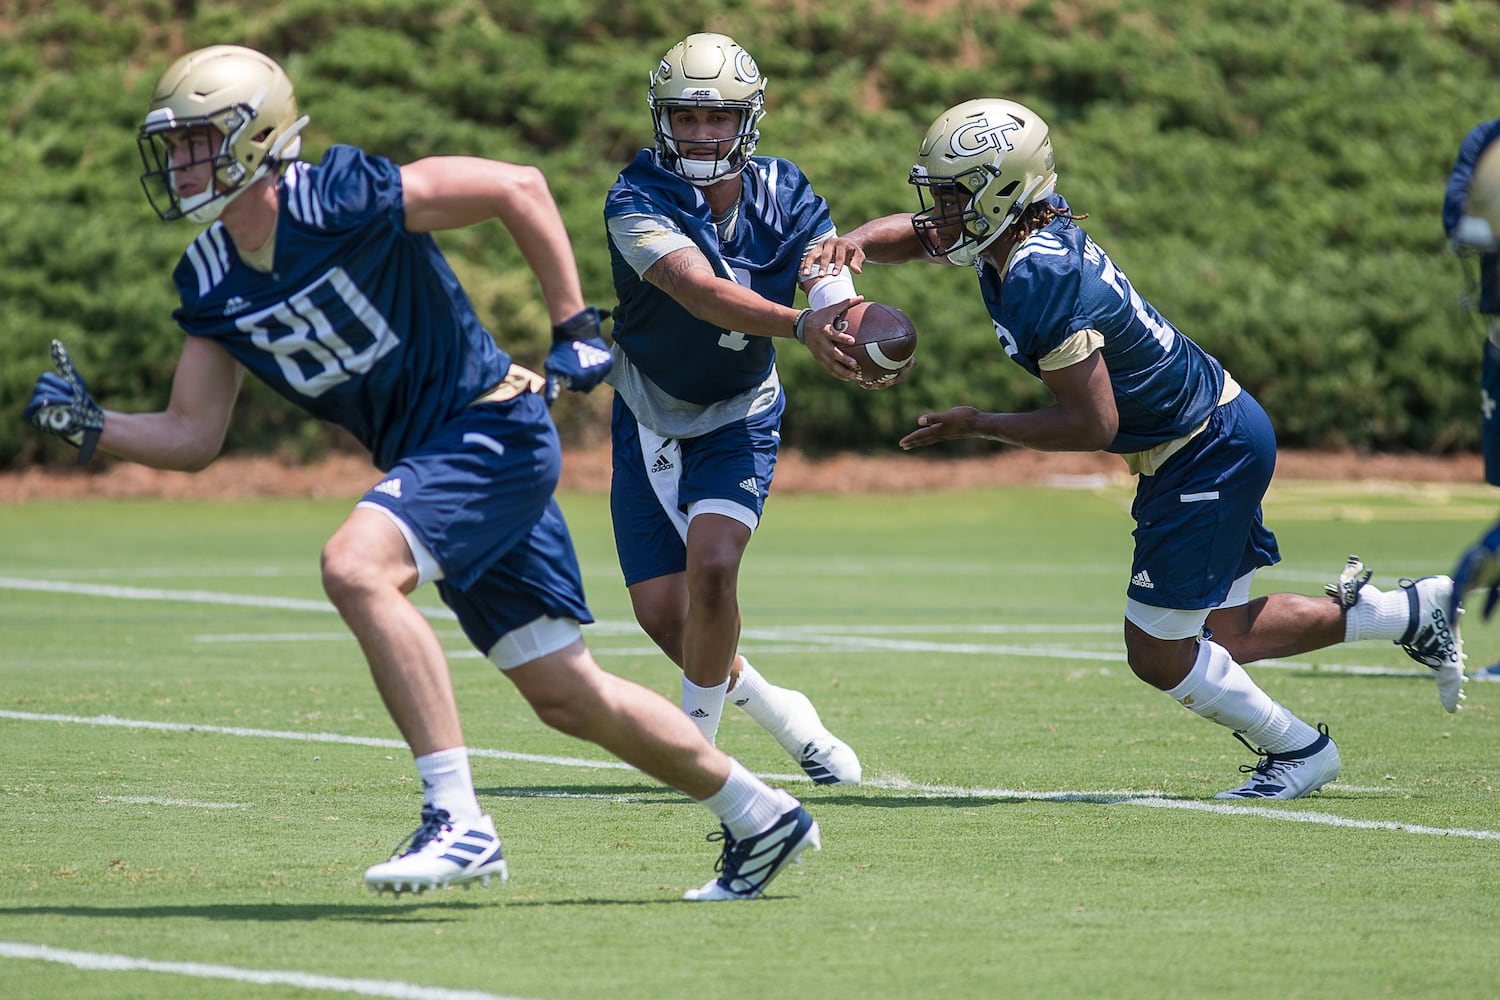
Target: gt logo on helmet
[(745, 68), (977, 136)]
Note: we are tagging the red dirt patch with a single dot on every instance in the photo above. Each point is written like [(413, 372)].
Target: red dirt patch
[(588, 469)]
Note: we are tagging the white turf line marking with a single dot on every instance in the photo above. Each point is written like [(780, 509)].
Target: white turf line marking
[(277, 734), (824, 638), (100, 962), (146, 800), (1121, 797)]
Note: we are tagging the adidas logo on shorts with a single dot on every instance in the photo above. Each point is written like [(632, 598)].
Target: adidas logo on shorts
[(391, 488), (1143, 581), (750, 486), (662, 464)]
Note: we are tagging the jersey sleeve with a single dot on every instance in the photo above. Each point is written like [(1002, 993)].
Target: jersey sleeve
[(644, 239), (1041, 292), (348, 189), (811, 221)]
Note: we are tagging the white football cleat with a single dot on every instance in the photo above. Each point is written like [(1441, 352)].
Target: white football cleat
[(1345, 590), (746, 866), (825, 758), (1289, 775), (1432, 640), (829, 762), (439, 854)]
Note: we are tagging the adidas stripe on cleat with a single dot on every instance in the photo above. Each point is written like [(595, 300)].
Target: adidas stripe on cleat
[(1288, 775), (747, 866), (1432, 640), (439, 854), (829, 762)]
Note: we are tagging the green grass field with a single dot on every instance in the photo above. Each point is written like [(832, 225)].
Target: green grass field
[(198, 770)]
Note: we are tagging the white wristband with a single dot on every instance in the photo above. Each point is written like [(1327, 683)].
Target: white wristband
[(838, 288)]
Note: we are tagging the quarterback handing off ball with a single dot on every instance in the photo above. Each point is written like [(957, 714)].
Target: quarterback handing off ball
[(884, 340)]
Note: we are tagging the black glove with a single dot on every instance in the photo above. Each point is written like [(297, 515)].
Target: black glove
[(61, 404), (579, 358)]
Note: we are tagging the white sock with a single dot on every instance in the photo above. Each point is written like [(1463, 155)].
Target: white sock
[(1218, 689), (1378, 615), (782, 712), (747, 805), (447, 783), (705, 706)]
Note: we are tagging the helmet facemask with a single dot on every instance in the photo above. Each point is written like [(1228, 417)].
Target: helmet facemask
[(706, 71), (243, 103)]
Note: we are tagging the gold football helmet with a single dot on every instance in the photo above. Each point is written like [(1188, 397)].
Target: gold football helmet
[(706, 71), (245, 99), (982, 163), (1480, 226)]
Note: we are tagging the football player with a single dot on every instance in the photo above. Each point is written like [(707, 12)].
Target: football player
[(1471, 218), (705, 239), (323, 281), (1125, 380)]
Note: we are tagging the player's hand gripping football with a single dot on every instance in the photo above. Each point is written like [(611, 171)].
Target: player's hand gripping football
[(1478, 569), (61, 404), (579, 358), (823, 337)]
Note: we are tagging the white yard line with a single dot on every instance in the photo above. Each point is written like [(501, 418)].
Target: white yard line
[(94, 961), (826, 639), (1123, 797), (147, 800)]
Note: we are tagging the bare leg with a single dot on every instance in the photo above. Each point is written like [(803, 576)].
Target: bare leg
[(368, 572), (1162, 663), (694, 617), (570, 693), (1276, 626), (715, 545)]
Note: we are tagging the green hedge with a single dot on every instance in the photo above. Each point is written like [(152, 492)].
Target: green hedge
[(1270, 174)]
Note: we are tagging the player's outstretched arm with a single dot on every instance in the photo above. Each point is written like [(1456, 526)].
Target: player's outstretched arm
[(1083, 418), (188, 434), (889, 239), (450, 192)]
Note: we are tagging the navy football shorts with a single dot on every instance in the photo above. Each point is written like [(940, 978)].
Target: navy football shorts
[(479, 496), (1198, 520), (727, 471)]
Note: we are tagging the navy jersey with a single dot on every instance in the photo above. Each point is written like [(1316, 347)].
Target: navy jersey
[(361, 323), (1457, 196), (689, 358), (1059, 282)]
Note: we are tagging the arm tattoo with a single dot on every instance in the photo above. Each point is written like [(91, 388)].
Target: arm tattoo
[(672, 271)]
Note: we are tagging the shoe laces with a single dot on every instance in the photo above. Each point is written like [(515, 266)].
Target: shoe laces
[(728, 856), (1271, 765), (435, 822)]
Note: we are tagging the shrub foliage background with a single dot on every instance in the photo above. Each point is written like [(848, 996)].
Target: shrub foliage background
[(1269, 174)]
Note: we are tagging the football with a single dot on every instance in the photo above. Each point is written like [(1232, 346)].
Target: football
[(884, 340)]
